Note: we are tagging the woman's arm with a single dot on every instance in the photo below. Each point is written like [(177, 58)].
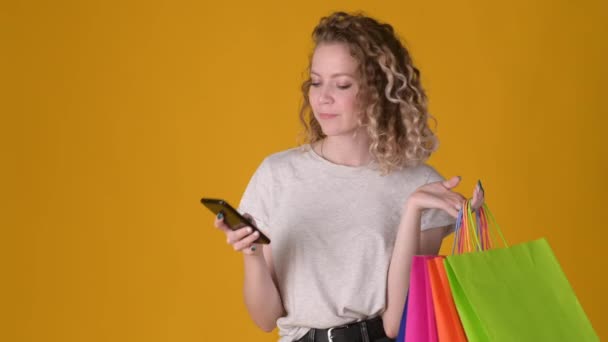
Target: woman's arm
[(407, 244), (262, 297), (261, 293)]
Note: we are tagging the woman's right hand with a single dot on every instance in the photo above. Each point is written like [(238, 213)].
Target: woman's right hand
[(241, 239)]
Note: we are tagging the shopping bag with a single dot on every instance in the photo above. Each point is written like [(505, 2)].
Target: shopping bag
[(402, 325), (420, 325), (419, 322), (516, 293), (449, 327)]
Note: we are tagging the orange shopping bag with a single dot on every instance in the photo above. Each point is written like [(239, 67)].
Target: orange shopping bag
[(449, 327)]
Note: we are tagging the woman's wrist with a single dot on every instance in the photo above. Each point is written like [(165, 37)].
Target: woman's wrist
[(411, 207), (257, 254), (411, 216)]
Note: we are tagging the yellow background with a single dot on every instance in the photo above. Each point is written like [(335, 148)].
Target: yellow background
[(117, 117)]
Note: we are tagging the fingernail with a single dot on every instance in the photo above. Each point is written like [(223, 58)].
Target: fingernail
[(256, 233), (480, 186), (249, 230), (220, 215)]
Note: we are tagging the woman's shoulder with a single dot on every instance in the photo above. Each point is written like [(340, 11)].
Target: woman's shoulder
[(420, 173), (419, 169), (286, 156)]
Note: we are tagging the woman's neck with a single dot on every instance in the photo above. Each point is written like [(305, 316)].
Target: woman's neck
[(346, 149)]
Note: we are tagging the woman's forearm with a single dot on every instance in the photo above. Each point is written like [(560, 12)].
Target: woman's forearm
[(261, 295), (407, 244)]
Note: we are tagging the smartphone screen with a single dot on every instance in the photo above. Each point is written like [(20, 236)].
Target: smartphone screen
[(232, 218)]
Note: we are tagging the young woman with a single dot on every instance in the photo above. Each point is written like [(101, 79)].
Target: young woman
[(348, 209)]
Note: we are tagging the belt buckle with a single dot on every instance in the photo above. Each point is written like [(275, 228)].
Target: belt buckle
[(331, 338)]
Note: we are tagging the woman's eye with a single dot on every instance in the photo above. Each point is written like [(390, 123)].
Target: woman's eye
[(346, 86)]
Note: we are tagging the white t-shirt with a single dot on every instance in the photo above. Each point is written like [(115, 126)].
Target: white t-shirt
[(332, 229)]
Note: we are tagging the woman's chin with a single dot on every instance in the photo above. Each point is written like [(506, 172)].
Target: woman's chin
[(334, 131)]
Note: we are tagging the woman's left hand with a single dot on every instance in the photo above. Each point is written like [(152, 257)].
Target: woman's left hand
[(440, 195), (478, 196)]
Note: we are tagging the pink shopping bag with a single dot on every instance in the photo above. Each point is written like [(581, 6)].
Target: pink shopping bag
[(421, 325)]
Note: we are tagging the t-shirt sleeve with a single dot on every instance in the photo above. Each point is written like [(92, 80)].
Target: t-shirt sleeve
[(434, 218), (257, 197)]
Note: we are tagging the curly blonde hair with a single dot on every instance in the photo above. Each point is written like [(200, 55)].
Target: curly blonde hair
[(394, 102)]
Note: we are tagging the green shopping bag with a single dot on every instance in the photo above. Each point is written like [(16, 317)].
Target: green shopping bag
[(516, 293)]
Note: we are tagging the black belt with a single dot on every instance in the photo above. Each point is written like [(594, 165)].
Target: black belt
[(364, 331)]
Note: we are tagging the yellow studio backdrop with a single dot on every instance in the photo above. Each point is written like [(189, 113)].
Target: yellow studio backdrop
[(117, 117)]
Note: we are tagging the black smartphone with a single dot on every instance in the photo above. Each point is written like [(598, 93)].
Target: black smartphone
[(232, 218)]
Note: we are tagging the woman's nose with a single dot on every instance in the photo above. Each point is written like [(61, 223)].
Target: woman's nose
[(325, 96)]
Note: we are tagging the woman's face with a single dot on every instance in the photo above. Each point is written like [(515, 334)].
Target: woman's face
[(333, 90)]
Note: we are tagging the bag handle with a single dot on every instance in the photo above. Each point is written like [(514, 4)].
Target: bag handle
[(473, 234)]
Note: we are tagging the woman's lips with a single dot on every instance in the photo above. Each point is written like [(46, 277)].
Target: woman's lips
[(326, 116)]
